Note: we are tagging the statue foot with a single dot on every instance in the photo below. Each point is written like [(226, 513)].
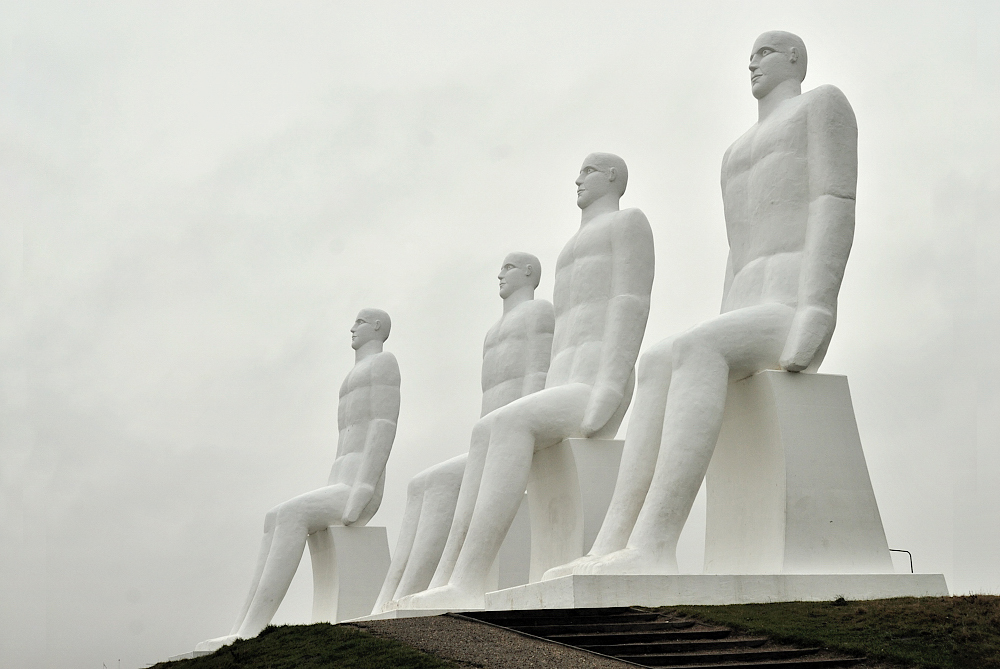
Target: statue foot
[(577, 566), (216, 643), (445, 597), (631, 561)]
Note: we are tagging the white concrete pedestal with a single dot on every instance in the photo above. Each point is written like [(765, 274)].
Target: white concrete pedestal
[(578, 591), (788, 487), (569, 492), (348, 565)]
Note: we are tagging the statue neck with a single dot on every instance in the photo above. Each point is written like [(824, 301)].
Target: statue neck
[(521, 296), (786, 90), (367, 350), (604, 205)]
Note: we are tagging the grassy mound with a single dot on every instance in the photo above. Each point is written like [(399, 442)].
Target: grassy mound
[(312, 647), (926, 632)]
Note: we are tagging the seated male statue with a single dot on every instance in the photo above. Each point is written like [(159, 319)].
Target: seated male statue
[(366, 417), (601, 299), (788, 187), (515, 359)]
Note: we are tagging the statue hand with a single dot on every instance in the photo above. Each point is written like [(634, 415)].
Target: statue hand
[(811, 326), (603, 403), (361, 495)]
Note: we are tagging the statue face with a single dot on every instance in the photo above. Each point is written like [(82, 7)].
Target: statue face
[(594, 182), (513, 276), (771, 62), (365, 329)]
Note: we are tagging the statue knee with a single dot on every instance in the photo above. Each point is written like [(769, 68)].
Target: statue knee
[(655, 364)]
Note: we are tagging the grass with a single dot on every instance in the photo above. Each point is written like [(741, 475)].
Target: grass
[(925, 632), (312, 647)]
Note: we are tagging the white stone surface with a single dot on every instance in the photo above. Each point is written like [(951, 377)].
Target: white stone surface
[(788, 189), (788, 487), (515, 361), (585, 591), (366, 419), (601, 298), (349, 565)]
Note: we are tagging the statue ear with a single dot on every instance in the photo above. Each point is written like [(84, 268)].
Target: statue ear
[(612, 174), (527, 269), (793, 55), (378, 324)]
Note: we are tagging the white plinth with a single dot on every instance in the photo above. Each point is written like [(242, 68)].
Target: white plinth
[(569, 492), (788, 487), (349, 565), (576, 591)]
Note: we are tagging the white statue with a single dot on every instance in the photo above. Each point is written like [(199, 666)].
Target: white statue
[(788, 186), (601, 298), (366, 417), (515, 359)]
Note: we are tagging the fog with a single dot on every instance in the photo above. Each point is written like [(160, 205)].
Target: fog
[(198, 197)]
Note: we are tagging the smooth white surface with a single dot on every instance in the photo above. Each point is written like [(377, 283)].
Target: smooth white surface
[(788, 187), (349, 565), (601, 298), (586, 591), (788, 488), (516, 354), (366, 417)]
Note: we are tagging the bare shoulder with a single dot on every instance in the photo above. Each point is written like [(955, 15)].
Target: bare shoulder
[(385, 369), (542, 315), (632, 227), (830, 101)]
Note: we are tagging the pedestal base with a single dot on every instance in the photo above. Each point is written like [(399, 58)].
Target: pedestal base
[(571, 592), (349, 565)]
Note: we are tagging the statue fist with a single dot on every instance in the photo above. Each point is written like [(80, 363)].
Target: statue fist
[(811, 327), (360, 496), (604, 400)]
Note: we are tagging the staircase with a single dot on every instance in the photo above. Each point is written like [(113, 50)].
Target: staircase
[(649, 639)]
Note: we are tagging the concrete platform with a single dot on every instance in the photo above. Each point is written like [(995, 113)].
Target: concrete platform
[(578, 591), (408, 613)]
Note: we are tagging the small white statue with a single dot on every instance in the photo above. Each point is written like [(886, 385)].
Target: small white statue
[(366, 417), (515, 359), (601, 298), (788, 186)]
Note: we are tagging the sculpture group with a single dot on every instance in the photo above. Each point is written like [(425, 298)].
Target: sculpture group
[(565, 370)]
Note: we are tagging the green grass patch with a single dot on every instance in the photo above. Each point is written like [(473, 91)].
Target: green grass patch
[(312, 647), (925, 632)]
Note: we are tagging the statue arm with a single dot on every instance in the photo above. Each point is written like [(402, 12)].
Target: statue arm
[(539, 351), (833, 175), (380, 435), (625, 321)]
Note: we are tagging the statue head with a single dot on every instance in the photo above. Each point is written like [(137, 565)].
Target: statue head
[(602, 175), (777, 57), (371, 325), (519, 270)]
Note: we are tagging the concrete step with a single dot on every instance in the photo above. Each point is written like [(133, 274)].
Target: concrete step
[(686, 646), (639, 637), (702, 658)]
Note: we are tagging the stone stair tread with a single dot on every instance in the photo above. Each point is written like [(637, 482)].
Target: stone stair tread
[(797, 663), (676, 646), (590, 628), (658, 636), (700, 658)]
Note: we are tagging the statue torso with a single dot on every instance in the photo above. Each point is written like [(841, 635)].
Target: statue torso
[(524, 333), (765, 191), (580, 299)]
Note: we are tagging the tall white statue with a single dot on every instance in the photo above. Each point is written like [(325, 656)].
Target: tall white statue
[(366, 417), (515, 359), (788, 186), (601, 299)]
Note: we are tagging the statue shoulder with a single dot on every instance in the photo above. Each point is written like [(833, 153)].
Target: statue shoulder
[(384, 369), (632, 227), (543, 318), (828, 101)]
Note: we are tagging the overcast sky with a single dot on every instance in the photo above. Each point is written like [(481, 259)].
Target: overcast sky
[(198, 197)]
